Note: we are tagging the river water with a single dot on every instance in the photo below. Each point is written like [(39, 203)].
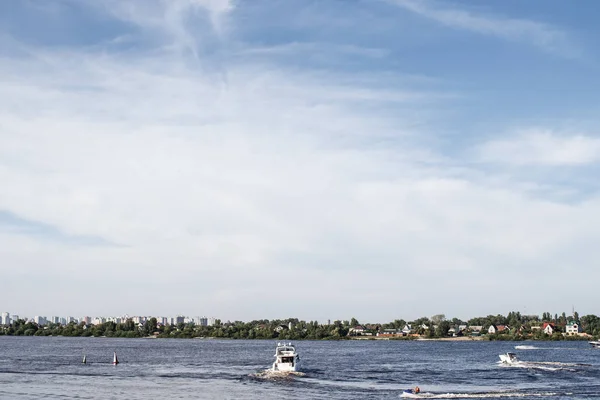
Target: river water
[(51, 368)]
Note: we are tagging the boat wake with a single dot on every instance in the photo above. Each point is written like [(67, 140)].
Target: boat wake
[(546, 366), (526, 347), (489, 395), (274, 375)]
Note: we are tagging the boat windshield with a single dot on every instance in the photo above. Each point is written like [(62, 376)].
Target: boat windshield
[(285, 349)]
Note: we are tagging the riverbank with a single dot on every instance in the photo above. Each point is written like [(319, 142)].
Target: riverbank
[(447, 339)]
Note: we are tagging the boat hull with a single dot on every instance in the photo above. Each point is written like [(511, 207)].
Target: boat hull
[(286, 367)]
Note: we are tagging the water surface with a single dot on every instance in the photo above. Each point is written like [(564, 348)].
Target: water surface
[(51, 368)]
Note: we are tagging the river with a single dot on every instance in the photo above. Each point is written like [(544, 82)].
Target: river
[(51, 368)]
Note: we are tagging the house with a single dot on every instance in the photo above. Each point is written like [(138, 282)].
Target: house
[(497, 329), (407, 329), (476, 328), (390, 332), (548, 328), (280, 328), (356, 330), (572, 329), (492, 329)]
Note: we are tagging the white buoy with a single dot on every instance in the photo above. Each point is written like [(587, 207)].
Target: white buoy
[(83, 361), (115, 360)]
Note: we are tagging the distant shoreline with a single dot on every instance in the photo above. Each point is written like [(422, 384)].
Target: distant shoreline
[(420, 339)]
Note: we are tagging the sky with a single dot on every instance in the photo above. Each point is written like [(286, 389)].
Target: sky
[(376, 159)]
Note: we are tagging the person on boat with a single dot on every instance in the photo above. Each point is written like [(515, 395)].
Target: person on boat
[(416, 390)]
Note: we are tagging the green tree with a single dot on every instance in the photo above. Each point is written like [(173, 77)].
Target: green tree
[(442, 329)]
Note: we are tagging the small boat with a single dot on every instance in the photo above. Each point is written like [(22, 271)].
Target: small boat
[(414, 393), (286, 358), (115, 360), (595, 343), (508, 358)]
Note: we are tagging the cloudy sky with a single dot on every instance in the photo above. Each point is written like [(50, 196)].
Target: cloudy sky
[(376, 159)]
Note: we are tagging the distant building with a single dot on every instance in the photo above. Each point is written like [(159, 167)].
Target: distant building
[(497, 329), (572, 329), (356, 330), (41, 321), (5, 318), (548, 328), (390, 332), (212, 321)]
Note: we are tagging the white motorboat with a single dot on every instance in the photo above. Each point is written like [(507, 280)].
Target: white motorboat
[(595, 343), (508, 358), (286, 358)]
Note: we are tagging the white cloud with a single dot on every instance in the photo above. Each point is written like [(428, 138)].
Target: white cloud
[(541, 35), (542, 147), (218, 186)]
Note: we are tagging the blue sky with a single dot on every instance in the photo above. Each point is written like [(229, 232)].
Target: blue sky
[(385, 159)]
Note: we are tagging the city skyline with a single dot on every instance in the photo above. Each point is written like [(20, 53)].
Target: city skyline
[(311, 159), (6, 318)]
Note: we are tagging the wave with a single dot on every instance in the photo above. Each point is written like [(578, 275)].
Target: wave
[(546, 366), (526, 347), (276, 375), (488, 395)]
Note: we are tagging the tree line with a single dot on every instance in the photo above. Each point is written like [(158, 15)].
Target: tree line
[(519, 327)]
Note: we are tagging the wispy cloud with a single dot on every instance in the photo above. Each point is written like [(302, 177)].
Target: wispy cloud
[(544, 36), (173, 20), (310, 48), (542, 147), (12, 223)]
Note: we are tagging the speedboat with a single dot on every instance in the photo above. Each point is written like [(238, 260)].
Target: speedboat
[(508, 358), (286, 358), (595, 343)]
